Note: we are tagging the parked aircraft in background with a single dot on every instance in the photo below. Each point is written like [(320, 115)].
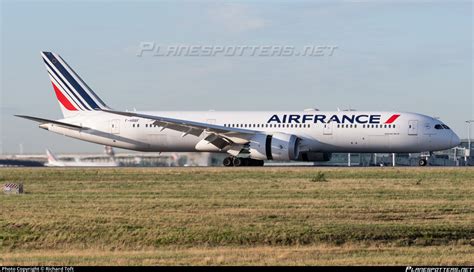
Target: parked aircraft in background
[(248, 137), (55, 162)]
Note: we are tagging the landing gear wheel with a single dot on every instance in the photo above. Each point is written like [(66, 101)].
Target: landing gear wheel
[(238, 161), (423, 162), (228, 162)]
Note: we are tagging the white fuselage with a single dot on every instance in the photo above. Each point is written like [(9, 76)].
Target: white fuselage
[(349, 131)]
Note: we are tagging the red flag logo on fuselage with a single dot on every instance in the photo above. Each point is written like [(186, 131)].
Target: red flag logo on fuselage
[(392, 118)]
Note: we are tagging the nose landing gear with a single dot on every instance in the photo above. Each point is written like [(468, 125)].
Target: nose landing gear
[(423, 162), (236, 161)]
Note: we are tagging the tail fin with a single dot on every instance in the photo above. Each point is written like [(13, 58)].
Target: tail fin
[(73, 94), (51, 157)]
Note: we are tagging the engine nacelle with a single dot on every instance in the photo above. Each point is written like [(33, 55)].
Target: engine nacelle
[(278, 146), (314, 156)]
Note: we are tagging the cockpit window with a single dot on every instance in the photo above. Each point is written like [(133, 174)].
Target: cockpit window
[(438, 126), (445, 126)]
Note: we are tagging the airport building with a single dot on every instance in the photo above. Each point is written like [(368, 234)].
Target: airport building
[(458, 156)]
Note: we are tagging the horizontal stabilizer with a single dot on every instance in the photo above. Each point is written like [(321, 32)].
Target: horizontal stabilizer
[(45, 121)]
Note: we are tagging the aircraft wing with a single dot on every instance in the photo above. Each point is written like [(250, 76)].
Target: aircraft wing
[(46, 121), (220, 133)]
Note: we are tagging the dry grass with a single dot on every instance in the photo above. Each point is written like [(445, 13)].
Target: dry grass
[(238, 216), (258, 255)]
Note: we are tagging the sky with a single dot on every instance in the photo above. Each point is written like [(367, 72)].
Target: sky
[(413, 56)]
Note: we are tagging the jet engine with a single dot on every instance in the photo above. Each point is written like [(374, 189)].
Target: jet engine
[(278, 146)]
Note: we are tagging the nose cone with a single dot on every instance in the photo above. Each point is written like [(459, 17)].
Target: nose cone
[(455, 141)]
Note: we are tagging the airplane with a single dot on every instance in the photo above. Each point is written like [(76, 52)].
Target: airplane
[(53, 161), (248, 137)]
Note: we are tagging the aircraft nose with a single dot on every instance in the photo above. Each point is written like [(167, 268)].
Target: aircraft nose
[(455, 141)]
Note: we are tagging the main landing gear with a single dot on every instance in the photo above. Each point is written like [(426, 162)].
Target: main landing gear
[(236, 161)]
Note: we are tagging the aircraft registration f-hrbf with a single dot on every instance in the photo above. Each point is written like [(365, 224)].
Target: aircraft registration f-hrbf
[(248, 137)]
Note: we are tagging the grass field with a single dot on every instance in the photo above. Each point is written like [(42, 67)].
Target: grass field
[(146, 216)]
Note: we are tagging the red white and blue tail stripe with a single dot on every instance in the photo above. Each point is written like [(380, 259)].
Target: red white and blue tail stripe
[(72, 92)]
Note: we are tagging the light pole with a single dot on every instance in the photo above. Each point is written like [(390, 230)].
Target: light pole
[(468, 138)]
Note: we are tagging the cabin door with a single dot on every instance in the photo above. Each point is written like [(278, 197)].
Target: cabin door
[(115, 126), (327, 129), (413, 127)]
